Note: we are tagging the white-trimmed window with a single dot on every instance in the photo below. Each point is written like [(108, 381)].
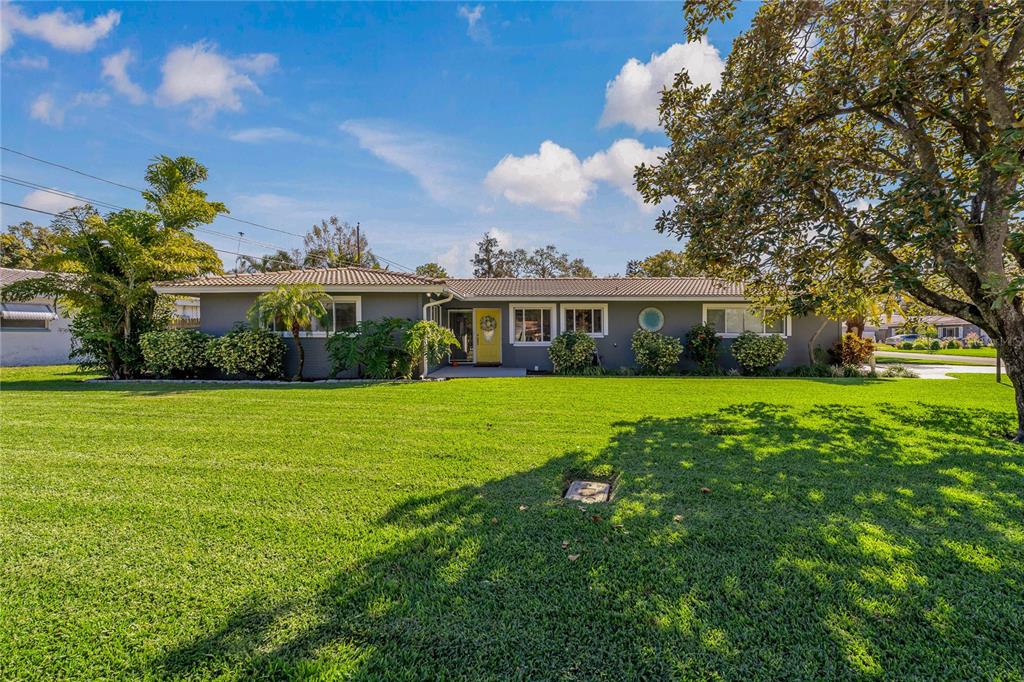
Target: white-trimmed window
[(588, 318), (343, 312), (26, 316), (532, 324), (951, 332), (731, 320)]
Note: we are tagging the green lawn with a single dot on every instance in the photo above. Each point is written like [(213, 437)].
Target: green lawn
[(853, 529), (987, 352)]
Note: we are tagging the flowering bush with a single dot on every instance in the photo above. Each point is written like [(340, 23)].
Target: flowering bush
[(756, 353), (702, 346), (573, 352), (655, 353), (254, 353), (174, 352), (922, 343)]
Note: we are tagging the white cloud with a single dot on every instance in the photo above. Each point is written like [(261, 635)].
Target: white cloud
[(62, 30), (476, 27), (115, 70), (27, 62), (635, 93), (198, 74), (272, 134), (551, 179), (47, 109), (42, 200), (617, 164), (425, 157)]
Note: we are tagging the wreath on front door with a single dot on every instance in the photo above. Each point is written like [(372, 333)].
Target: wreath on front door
[(487, 325)]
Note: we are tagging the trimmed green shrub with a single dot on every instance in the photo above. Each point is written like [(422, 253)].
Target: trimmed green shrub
[(907, 345), (756, 353), (852, 351), (922, 343), (952, 343), (935, 345), (251, 353), (573, 352), (175, 352), (702, 346), (655, 353)]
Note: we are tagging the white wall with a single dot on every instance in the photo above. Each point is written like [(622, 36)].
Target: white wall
[(36, 346)]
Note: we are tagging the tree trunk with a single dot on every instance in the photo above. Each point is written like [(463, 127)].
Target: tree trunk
[(814, 338), (1011, 350), (855, 325), (299, 350)]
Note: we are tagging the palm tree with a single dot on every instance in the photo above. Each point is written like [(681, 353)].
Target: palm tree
[(293, 306)]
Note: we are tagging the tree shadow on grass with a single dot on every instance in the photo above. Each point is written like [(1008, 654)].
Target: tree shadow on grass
[(833, 543)]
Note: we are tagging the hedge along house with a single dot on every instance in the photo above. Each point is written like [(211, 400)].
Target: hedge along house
[(505, 321)]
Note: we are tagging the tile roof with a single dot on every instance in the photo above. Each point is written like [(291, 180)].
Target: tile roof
[(596, 287), (12, 275), (347, 276)]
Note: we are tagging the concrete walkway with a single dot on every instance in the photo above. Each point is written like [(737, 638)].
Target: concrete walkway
[(937, 358), (471, 371), (943, 371)]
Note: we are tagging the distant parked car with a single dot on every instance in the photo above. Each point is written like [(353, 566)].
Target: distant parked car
[(902, 338)]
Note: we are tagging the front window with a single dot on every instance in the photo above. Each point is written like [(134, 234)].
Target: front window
[(950, 332), (590, 319), (733, 320), (35, 316), (532, 324), (342, 313)]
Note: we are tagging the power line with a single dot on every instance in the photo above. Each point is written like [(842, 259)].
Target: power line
[(138, 189), (104, 204), (233, 253)]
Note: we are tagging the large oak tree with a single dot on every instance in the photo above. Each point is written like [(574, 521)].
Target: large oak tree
[(851, 133)]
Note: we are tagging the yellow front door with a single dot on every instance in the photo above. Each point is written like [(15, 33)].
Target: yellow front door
[(487, 325)]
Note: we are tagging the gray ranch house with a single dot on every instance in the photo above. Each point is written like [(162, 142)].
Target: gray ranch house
[(504, 321), (33, 332)]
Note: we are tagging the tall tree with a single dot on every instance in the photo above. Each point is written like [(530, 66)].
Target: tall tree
[(432, 270), (293, 307), (25, 245), (491, 260), (333, 243), (104, 268), (667, 263), (885, 133), (485, 260)]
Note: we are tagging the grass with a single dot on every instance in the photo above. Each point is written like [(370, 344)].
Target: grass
[(853, 529), (987, 352)]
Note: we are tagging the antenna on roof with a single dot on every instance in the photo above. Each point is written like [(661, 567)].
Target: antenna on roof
[(359, 246)]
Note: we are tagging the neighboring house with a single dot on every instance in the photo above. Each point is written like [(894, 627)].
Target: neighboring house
[(186, 313), (31, 332), (947, 327), (508, 322)]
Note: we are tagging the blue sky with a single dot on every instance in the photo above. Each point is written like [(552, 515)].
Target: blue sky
[(429, 123)]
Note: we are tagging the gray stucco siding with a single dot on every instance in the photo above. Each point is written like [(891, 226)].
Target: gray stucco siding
[(623, 316), (219, 312)]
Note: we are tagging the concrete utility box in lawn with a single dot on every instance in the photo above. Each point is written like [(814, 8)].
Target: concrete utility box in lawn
[(588, 491)]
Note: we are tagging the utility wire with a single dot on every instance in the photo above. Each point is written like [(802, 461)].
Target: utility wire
[(105, 204), (233, 253), (226, 216)]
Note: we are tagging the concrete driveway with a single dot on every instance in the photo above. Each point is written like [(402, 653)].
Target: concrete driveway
[(943, 371)]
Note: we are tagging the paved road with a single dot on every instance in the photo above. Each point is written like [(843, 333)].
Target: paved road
[(991, 362)]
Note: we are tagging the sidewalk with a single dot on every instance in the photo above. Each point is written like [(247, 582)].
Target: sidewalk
[(991, 362)]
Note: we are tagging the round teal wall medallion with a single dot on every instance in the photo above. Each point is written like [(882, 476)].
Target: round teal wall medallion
[(651, 319)]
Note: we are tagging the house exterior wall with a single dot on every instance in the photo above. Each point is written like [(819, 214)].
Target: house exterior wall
[(49, 346), (615, 351), (886, 331), (221, 311)]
